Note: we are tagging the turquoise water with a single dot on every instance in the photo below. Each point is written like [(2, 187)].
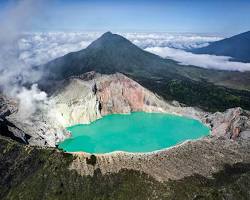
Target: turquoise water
[(136, 132)]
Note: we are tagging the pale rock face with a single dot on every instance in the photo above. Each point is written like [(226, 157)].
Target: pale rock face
[(85, 98), (230, 124), (119, 94), (245, 135), (75, 104)]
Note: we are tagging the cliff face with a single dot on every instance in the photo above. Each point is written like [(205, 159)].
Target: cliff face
[(83, 99), (86, 98)]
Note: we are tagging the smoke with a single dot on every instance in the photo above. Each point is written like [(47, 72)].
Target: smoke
[(16, 18), (30, 100)]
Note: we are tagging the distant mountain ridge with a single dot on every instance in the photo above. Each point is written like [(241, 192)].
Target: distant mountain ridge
[(113, 53), (237, 47), (191, 85)]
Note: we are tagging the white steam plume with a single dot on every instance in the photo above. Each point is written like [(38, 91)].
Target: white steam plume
[(30, 100), (16, 18)]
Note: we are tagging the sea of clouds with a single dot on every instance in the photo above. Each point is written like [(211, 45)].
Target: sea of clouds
[(39, 48)]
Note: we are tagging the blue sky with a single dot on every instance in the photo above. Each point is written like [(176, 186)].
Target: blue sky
[(200, 16)]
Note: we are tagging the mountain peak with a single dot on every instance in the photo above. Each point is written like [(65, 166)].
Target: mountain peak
[(109, 39), (110, 53), (108, 33), (108, 36)]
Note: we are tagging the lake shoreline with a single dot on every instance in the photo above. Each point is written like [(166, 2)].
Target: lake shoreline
[(138, 132)]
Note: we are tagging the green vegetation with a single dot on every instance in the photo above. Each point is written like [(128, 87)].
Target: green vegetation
[(193, 93), (32, 173), (91, 160)]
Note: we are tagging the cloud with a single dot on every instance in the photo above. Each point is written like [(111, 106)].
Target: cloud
[(16, 18), (203, 60), (39, 48), (172, 40)]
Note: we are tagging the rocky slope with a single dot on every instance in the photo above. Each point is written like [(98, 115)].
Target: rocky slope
[(215, 167), (204, 157), (34, 173), (83, 99), (8, 107), (231, 124)]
